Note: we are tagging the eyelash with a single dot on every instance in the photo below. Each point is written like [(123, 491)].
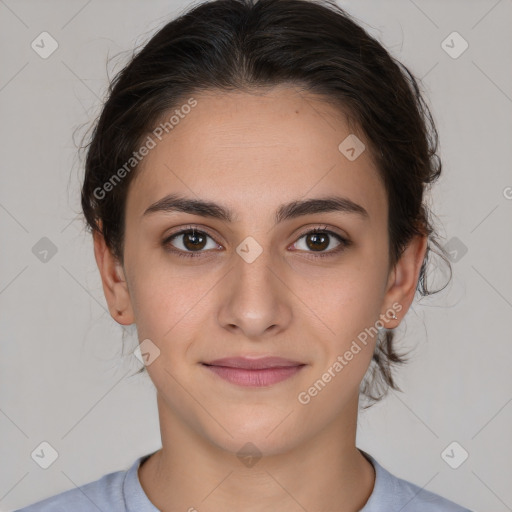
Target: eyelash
[(344, 243)]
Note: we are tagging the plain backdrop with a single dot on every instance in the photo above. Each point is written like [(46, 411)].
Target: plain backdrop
[(64, 377)]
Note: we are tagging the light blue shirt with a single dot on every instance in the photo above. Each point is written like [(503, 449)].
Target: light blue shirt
[(121, 492)]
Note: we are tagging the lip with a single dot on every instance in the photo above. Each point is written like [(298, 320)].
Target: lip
[(251, 363), (244, 371)]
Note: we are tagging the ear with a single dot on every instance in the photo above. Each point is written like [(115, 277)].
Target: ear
[(403, 280), (114, 282)]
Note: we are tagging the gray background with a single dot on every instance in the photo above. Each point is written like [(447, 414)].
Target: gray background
[(63, 375)]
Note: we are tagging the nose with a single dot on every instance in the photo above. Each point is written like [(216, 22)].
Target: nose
[(255, 299)]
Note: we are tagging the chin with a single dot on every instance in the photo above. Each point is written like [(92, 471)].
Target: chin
[(257, 434)]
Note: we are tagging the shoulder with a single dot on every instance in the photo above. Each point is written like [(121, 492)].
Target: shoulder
[(393, 493), (106, 493)]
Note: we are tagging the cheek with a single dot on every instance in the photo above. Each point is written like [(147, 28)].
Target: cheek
[(350, 305), (347, 296), (170, 306)]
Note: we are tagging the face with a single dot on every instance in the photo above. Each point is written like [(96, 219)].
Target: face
[(259, 283)]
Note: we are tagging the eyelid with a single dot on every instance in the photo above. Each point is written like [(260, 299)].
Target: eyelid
[(201, 229), (323, 228), (188, 228)]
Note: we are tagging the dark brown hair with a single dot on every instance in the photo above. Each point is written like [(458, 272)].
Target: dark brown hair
[(243, 45)]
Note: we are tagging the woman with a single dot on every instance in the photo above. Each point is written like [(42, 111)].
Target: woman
[(255, 188)]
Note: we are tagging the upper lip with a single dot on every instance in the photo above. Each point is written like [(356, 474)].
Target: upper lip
[(254, 364)]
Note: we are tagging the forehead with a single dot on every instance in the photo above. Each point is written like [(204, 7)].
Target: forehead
[(254, 149)]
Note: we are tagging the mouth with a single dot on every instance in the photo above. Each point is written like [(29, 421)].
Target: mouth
[(260, 372)]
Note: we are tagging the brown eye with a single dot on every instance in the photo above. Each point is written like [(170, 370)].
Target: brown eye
[(193, 240), (318, 240), (189, 241)]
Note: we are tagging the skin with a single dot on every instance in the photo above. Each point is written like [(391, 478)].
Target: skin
[(253, 152)]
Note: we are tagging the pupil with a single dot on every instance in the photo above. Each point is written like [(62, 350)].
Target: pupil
[(315, 237), (196, 238)]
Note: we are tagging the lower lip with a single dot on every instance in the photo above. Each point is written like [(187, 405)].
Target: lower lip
[(254, 378)]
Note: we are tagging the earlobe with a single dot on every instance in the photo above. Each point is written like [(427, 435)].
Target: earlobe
[(114, 282)]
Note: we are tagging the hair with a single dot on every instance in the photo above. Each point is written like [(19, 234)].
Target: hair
[(246, 45)]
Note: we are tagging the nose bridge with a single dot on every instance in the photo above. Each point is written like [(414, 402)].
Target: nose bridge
[(254, 273)]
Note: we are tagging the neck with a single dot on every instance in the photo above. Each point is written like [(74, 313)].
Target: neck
[(326, 472)]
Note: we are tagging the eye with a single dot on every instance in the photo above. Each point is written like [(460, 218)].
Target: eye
[(190, 242), (317, 240)]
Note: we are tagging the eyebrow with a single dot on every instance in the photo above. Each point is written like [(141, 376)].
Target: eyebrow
[(176, 203)]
